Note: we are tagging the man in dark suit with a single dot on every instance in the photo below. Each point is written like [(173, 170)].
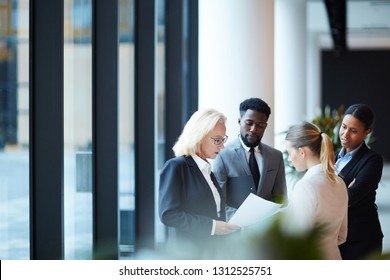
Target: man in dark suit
[(231, 166)]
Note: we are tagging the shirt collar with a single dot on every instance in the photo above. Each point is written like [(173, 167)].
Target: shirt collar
[(343, 151), (246, 148), (202, 164)]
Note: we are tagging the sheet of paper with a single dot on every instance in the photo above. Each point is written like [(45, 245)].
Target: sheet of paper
[(253, 210)]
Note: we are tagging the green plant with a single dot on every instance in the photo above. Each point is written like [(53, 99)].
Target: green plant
[(329, 121), (280, 244)]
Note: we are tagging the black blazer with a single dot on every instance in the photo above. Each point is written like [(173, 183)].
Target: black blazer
[(186, 202), (363, 222)]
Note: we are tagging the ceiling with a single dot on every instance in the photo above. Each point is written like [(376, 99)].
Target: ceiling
[(343, 17)]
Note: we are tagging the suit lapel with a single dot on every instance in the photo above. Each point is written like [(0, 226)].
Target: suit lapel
[(241, 155), (265, 167), (223, 199), (205, 186), (352, 163)]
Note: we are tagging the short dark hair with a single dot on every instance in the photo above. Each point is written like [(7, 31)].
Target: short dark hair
[(255, 104), (363, 113)]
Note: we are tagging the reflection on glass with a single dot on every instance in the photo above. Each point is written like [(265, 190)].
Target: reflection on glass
[(126, 122), (14, 130), (78, 129), (126, 128), (160, 156)]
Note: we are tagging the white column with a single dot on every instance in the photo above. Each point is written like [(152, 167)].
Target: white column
[(290, 65), (236, 57)]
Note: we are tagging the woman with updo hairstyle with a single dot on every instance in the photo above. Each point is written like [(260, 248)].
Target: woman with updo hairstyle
[(319, 199), (361, 169)]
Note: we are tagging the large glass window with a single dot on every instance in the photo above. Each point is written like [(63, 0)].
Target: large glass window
[(126, 128), (78, 129), (14, 129), (160, 73)]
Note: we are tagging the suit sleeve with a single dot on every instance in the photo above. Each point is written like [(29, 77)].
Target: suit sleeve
[(279, 192), (172, 199), (221, 174), (367, 179)]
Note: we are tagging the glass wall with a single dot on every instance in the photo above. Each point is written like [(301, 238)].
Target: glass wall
[(78, 212), (14, 129), (78, 129), (126, 122), (126, 128), (160, 73)]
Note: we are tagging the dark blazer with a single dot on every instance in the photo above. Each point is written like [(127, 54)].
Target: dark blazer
[(186, 203), (231, 163), (363, 222)]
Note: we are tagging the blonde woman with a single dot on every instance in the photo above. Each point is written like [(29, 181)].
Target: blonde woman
[(320, 197), (190, 199)]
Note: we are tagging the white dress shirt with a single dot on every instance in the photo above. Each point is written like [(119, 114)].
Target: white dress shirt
[(205, 168), (258, 155)]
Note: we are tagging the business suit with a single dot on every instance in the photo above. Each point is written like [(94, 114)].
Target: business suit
[(232, 162), (364, 230), (316, 201), (186, 203)]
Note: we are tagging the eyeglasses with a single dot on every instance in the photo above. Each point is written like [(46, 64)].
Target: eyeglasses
[(219, 140)]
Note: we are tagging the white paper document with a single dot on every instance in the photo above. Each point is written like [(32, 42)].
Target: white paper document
[(253, 210)]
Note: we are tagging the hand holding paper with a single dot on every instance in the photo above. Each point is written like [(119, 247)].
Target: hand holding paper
[(223, 228), (253, 210)]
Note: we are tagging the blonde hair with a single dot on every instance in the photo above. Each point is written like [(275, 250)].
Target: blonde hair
[(197, 127), (309, 135)]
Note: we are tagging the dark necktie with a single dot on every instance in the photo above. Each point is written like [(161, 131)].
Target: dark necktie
[(254, 167)]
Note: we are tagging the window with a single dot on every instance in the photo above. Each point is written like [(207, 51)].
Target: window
[(78, 129), (14, 127)]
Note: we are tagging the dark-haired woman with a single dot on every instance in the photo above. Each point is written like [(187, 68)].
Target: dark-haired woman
[(361, 170)]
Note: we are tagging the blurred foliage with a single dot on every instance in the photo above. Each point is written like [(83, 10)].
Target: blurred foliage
[(378, 256), (274, 241)]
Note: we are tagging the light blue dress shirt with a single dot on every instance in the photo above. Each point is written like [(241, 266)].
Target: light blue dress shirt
[(342, 161), (343, 158)]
